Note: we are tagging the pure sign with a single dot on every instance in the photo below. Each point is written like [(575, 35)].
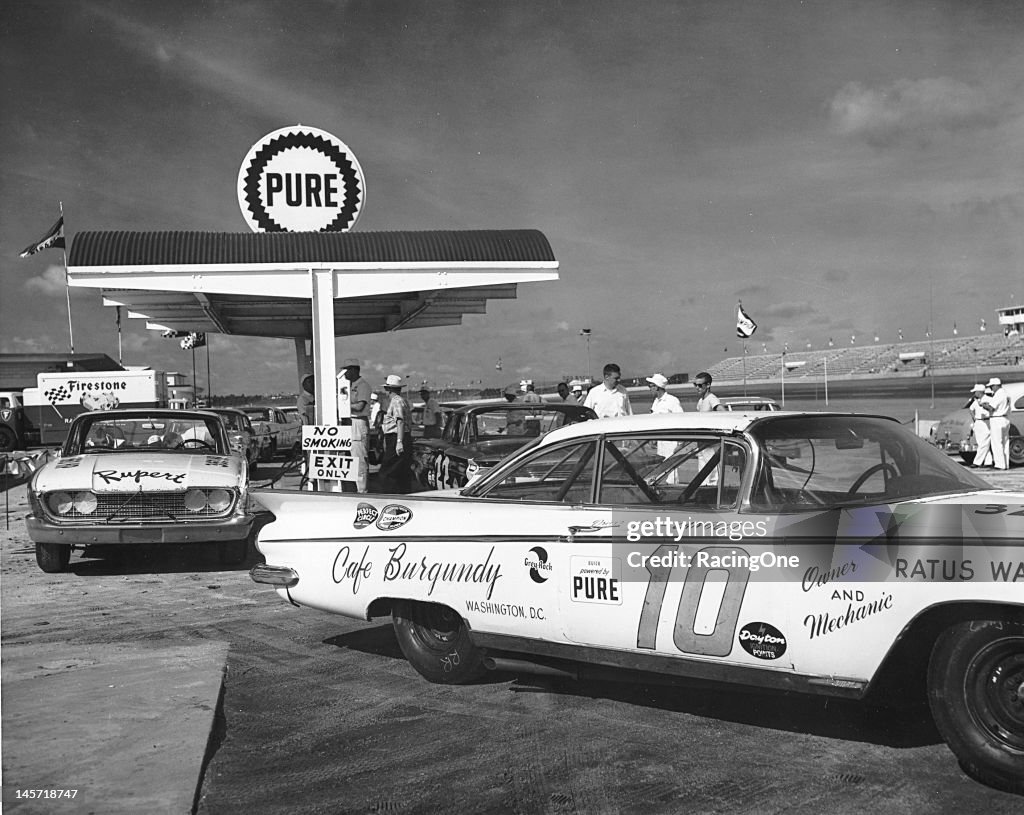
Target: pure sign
[(300, 179)]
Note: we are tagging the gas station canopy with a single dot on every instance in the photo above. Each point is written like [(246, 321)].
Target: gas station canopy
[(261, 284)]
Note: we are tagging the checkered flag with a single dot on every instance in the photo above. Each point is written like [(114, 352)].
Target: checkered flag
[(58, 394), (193, 340), (171, 334)]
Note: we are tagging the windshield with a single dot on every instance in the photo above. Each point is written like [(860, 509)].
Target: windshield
[(829, 461), (168, 433)]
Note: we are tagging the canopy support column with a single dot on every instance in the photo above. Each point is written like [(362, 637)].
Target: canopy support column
[(322, 281)]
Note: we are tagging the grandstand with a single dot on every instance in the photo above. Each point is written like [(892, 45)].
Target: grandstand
[(986, 354)]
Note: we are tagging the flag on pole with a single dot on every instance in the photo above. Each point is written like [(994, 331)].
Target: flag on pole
[(195, 339), (53, 239), (745, 327)]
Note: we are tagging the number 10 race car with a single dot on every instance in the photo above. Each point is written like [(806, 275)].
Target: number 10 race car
[(821, 553)]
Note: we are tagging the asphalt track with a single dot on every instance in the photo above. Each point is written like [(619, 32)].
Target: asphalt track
[(161, 682)]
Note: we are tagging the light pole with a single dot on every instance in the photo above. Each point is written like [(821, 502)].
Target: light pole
[(585, 333)]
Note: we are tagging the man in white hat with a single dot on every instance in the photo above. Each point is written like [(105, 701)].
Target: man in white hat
[(979, 425), (999, 423), (354, 393), (397, 426), (664, 402)]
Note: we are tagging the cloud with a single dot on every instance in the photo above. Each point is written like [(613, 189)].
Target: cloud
[(910, 110), (50, 283)]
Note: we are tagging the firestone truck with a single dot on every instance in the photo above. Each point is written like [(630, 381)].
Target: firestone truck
[(42, 415)]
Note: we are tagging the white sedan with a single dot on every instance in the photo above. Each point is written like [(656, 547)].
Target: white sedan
[(821, 553), (140, 476)]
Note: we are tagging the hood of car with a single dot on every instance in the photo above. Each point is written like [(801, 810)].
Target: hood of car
[(132, 472)]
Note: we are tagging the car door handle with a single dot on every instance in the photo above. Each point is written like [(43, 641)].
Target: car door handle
[(576, 530)]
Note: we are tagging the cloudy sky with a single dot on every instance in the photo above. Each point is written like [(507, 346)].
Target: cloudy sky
[(846, 169)]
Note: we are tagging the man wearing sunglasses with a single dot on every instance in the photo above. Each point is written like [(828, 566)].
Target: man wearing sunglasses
[(706, 400)]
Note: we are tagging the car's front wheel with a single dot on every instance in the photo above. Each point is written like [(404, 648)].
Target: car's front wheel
[(436, 642), (976, 694), (53, 557)]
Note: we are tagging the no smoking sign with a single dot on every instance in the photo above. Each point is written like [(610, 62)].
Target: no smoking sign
[(300, 179)]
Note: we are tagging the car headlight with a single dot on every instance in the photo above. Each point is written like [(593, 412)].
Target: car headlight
[(195, 500), (61, 503), (219, 500), (85, 503)]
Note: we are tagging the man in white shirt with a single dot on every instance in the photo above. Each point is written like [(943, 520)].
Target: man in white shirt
[(664, 402), (609, 398), (356, 390), (998, 405), (980, 428), (431, 414), (706, 403), (706, 400)]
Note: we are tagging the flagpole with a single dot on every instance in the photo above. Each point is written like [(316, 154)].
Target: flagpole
[(67, 287), (209, 383), (744, 367), (120, 347)]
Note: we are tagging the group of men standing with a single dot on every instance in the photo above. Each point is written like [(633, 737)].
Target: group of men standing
[(611, 399), (381, 428), (990, 409)]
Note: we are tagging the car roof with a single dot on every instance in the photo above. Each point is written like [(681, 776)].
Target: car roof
[(504, 404), (129, 413), (745, 400), (724, 421)]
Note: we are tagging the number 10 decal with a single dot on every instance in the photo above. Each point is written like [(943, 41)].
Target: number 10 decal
[(716, 643)]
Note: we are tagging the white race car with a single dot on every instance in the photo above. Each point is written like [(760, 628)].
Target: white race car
[(822, 553), (140, 476)]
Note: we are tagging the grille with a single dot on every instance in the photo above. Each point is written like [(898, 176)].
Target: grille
[(143, 508)]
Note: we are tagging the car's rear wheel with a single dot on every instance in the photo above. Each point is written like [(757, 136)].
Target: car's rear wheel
[(436, 642), (976, 694), (53, 557), (1017, 450)]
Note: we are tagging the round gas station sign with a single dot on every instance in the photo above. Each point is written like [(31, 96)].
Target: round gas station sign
[(300, 179)]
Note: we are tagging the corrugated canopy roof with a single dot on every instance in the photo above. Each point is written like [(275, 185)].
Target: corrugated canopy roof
[(260, 284)]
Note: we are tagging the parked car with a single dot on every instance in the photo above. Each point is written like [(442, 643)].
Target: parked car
[(278, 433), (241, 433), (823, 553), (478, 436), (955, 433), (741, 404), (137, 476)]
